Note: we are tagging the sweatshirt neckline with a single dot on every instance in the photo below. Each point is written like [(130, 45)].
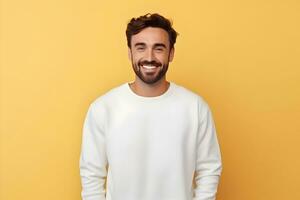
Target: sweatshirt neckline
[(144, 98)]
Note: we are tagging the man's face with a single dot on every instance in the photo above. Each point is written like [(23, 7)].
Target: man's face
[(150, 54)]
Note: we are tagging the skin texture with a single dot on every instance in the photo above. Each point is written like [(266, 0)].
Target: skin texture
[(150, 47)]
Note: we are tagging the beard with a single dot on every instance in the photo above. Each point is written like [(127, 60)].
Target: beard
[(150, 77)]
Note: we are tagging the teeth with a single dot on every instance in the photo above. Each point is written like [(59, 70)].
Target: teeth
[(148, 67)]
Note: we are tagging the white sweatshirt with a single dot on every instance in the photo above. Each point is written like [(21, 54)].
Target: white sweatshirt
[(149, 147)]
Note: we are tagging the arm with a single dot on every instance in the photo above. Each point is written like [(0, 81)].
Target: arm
[(93, 159), (208, 161)]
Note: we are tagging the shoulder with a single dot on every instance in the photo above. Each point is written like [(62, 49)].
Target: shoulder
[(108, 98), (201, 106), (189, 94)]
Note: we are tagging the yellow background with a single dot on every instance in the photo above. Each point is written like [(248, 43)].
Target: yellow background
[(242, 56)]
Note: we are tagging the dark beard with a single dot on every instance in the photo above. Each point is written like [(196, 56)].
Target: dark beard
[(149, 79)]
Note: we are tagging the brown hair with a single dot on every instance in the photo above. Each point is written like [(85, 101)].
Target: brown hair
[(136, 25)]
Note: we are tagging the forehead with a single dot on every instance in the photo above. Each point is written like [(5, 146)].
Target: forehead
[(150, 36)]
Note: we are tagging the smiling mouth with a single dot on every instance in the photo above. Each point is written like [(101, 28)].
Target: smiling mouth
[(148, 66)]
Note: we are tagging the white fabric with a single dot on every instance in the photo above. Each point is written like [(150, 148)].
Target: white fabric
[(149, 147)]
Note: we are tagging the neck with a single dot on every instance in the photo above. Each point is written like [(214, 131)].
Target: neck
[(149, 90)]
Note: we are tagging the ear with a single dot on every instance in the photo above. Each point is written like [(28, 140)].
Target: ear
[(171, 55), (129, 53)]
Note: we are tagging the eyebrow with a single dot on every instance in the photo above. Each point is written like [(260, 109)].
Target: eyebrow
[(160, 45), (155, 45), (139, 44)]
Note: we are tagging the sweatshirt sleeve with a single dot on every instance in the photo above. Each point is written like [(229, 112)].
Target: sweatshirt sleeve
[(208, 161), (93, 158)]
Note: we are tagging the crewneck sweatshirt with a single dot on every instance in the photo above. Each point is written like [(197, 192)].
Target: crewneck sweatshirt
[(149, 148)]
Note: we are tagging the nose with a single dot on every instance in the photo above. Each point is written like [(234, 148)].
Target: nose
[(149, 55)]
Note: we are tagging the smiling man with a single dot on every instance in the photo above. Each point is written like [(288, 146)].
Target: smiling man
[(149, 139), (150, 52)]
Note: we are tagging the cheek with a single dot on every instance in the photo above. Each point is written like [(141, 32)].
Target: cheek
[(163, 58), (136, 57)]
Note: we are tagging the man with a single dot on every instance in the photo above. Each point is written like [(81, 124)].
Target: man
[(155, 136)]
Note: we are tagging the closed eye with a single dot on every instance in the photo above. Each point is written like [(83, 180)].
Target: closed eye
[(140, 48), (159, 49)]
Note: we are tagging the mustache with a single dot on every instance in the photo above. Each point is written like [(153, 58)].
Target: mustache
[(151, 63)]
